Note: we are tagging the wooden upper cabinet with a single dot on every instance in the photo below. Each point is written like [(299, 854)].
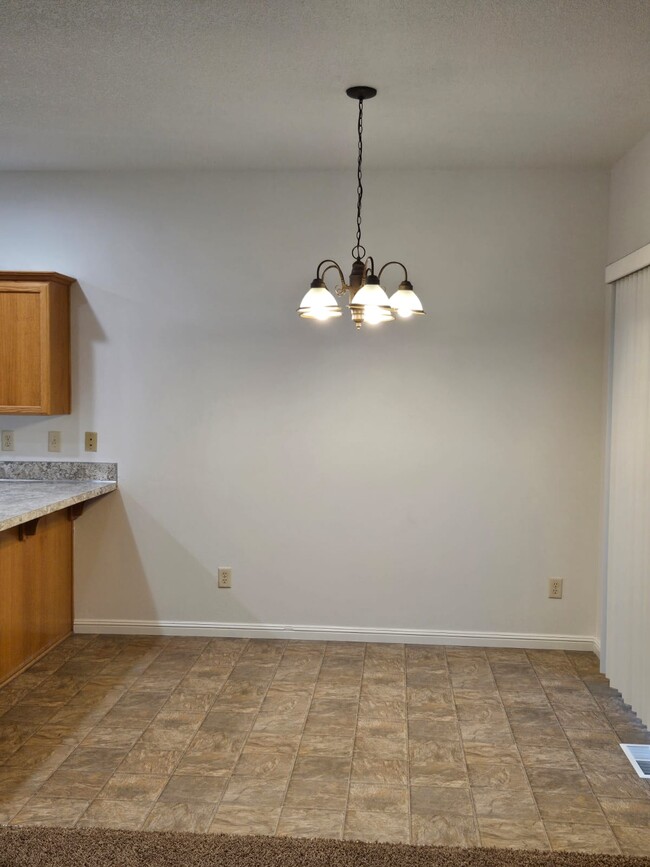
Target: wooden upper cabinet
[(34, 343)]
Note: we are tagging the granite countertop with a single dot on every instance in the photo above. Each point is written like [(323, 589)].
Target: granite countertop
[(31, 489)]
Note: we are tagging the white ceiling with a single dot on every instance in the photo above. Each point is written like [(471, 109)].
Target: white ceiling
[(253, 84)]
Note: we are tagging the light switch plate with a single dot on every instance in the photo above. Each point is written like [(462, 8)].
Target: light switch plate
[(91, 441)]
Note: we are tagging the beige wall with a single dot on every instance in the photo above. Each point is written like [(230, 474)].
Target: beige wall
[(629, 210), (431, 475)]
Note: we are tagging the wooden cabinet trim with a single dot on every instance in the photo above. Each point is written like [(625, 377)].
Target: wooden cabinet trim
[(52, 343), (21, 277)]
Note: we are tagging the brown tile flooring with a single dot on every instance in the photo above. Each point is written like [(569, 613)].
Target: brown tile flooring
[(457, 746)]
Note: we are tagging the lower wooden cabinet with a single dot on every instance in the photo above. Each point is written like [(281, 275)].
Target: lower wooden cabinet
[(35, 590)]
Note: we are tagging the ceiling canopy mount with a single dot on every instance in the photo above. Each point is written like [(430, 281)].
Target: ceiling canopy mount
[(361, 91)]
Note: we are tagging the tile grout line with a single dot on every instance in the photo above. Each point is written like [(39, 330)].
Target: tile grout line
[(302, 734), (354, 740), (408, 746), (45, 677), (477, 827), (86, 682), (607, 822), (248, 644), (514, 740), (403, 720), (4, 762), (130, 750), (96, 797), (241, 653)]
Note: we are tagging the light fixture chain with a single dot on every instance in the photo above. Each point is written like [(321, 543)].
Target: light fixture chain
[(369, 302), (356, 252)]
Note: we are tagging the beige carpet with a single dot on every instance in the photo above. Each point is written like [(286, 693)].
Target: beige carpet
[(62, 847)]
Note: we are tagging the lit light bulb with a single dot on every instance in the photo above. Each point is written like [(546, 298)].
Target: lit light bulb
[(374, 315), (405, 302)]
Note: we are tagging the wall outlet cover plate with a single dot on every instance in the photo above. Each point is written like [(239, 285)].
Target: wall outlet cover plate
[(54, 441), (224, 578)]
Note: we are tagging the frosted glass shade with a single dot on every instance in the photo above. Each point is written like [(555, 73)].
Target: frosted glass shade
[(405, 302), (319, 303), (371, 295)]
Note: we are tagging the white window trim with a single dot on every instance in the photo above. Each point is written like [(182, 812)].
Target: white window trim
[(628, 264)]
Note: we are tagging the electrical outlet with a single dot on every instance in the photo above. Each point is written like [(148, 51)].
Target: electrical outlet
[(91, 441), (7, 441), (224, 578), (54, 441), (555, 588)]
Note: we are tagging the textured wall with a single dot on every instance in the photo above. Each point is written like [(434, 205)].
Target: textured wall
[(429, 475), (629, 210)]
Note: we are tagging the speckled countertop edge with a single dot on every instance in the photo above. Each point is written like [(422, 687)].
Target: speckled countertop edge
[(52, 485), (55, 471), (56, 499)]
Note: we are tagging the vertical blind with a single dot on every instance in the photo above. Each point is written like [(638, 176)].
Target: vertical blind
[(627, 662)]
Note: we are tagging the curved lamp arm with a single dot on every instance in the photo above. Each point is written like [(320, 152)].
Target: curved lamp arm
[(330, 264), (406, 276), (344, 285)]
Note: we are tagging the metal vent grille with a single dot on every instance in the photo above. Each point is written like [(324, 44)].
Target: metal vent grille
[(639, 756)]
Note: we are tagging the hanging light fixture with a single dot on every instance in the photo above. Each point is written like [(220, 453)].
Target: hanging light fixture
[(369, 302)]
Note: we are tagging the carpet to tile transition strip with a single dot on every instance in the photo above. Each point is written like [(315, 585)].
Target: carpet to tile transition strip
[(96, 847)]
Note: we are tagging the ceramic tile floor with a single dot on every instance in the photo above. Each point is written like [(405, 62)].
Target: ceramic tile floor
[(457, 746)]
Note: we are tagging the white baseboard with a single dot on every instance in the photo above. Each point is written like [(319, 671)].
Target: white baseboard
[(337, 633)]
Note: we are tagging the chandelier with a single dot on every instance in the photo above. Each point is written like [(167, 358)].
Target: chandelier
[(368, 302)]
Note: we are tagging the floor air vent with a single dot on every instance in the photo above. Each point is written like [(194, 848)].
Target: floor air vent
[(639, 756)]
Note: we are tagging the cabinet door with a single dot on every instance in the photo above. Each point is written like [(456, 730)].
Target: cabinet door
[(35, 591), (23, 341), (14, 605), (47, 572), (34, 343)]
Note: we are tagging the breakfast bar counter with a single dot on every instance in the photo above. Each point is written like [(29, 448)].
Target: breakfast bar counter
[(23, 500), (39, 501)]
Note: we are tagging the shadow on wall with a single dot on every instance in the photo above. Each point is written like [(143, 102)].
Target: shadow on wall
[(113, 539), (85, 332)]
